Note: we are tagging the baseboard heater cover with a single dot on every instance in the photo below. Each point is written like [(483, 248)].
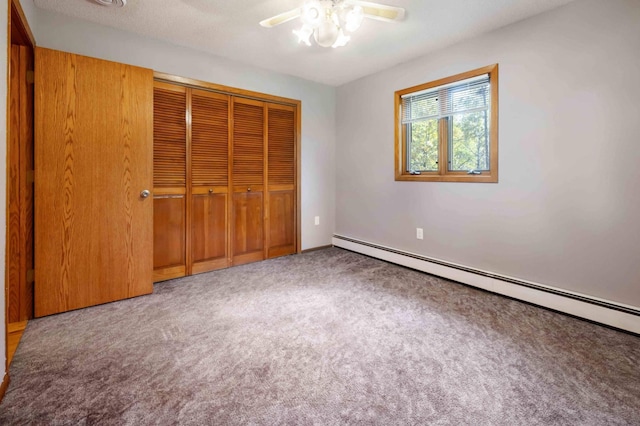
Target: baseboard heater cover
[(614, 314)]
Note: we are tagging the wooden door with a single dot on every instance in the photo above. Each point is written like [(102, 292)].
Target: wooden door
[(281, 180), (169, 181), (248, 171), (210, 180), (20, 186), (93, 159)]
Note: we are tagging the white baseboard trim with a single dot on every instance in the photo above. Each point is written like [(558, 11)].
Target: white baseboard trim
[(614, 314)]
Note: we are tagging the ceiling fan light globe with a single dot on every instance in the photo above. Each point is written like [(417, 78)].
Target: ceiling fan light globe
[(304, 34), (354, 18), (326, 34), (342, 40)]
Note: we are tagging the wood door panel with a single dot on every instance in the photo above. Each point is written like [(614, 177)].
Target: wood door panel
[(93, 231), (209, 227), (248, 142), (169, 136), (247, 213), (248, 224), (169, 216), (281, 149), (169, 273), (209, 138), (281, 177), (281, 223)]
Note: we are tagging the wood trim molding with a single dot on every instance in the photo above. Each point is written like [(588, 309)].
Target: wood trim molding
[(24, 24), (6, 189), (298, 177), (4, 386), (6, 258), (199, 84), (317, 248), (16, 18)]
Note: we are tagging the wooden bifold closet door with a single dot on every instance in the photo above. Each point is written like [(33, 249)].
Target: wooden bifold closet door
[(209, 180), (281, 178), (169, 181), (224, 180), (248, 181)]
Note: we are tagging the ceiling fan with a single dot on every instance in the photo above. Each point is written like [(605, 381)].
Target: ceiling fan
[(331, 22)]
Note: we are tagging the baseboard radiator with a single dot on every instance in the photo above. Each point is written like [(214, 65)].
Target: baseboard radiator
[(591, 308)]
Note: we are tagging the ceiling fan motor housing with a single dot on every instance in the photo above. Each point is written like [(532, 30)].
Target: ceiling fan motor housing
[(111, 3), (331, 22)]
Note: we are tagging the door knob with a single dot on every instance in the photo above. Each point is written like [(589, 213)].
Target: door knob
[(210, 191), (144, 193), (249, 189)]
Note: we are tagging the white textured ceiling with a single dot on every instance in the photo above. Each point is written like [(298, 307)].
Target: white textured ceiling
[(229, 28)]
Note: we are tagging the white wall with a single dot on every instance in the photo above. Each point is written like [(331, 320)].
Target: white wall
[(4, 66), (60, 32), (566, 209)]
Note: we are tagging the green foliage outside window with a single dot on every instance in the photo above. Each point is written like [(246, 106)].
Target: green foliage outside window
[(447, 130)]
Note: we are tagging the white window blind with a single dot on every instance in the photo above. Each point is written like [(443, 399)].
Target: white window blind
[(463, 96)]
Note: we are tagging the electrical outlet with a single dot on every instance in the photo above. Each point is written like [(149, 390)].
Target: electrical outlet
[(317, 220), (419, 234)]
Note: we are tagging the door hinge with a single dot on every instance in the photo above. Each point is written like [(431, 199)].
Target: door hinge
[(31, 275), (30, 77), (30, 176)]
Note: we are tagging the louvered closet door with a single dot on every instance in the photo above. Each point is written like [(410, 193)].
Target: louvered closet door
[(247, 215), (210, 180), (281, 178), (169, 181)]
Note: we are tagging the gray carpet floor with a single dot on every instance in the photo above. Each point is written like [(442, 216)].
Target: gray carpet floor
[(328, 337)]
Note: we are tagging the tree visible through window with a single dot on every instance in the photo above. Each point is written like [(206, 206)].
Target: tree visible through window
[(447, 129)]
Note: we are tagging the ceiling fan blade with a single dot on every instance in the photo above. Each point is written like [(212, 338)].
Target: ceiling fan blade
[(281, 18), (381, 12)]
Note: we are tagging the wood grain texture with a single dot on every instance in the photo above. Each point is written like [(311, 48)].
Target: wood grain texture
[(93, 151), (248, 226), (281, 205), (20, 187), (209, 154), (170, 164), (247, 212), (26, 182), (209, 228), (4, 385), (236, 148), (169, 137), (169, 221), (209, 138), (248, 142), (169, 273), (281, 223), (20, 31), (14, 274), (219, 88), (14, 334), (282, 138)]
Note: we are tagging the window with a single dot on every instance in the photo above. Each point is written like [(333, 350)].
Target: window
[(447, 130)]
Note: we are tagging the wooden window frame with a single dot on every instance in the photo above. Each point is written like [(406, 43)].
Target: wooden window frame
[(443, 174)]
